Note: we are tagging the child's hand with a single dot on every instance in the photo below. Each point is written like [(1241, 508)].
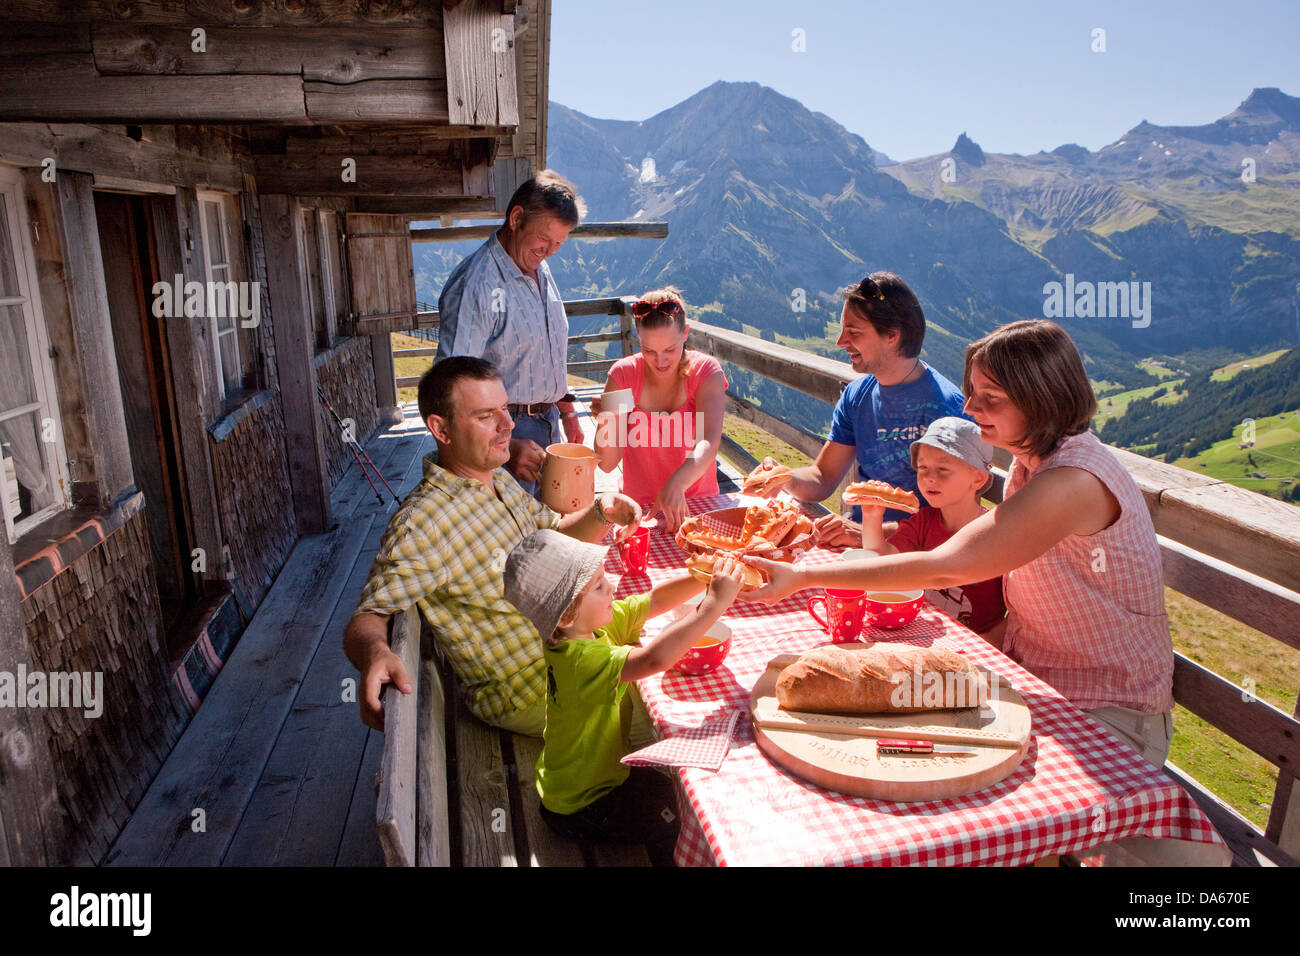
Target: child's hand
[(727, 580)]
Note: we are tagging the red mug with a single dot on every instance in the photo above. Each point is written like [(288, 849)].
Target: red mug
[(844, 610), (635, 551)]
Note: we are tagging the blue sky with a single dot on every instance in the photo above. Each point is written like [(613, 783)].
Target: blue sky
[(1017, 76)]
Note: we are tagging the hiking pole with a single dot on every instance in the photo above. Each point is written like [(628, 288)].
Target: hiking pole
[(358, 452)]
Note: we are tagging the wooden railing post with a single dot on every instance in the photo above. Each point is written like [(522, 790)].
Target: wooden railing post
[(625, 327)]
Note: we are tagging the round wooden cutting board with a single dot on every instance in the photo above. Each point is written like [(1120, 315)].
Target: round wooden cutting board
[(848, 762)]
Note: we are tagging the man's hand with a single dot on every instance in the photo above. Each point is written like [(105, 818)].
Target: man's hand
[(384, 667), (572, 429), (621, 510), (837, 531), (526, 457)]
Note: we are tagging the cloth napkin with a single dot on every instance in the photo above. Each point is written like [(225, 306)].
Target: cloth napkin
[(704, 746)]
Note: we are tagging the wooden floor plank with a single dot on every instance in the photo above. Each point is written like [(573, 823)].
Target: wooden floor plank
[(222, 753), (360, 846), (297, 812)]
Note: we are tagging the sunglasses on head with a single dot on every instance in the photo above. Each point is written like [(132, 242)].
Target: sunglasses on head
[(868, 289), (641, 308)]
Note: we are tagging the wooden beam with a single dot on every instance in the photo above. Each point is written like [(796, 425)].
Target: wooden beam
[(395, 808), (1239, 527), (68, 88), (93, 333), (108, 152), (603, 306), (29, 38), (587, 230), (416, 102), (328, 173), (420, 208), (328, 54), (294, 347), (479, 44), (1271, 733), (1245, 597), (293, 13)]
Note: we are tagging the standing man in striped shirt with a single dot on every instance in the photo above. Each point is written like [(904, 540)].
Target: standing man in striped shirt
[(502, 304)]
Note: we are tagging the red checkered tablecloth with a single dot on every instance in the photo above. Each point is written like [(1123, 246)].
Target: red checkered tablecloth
[(1078, 787)]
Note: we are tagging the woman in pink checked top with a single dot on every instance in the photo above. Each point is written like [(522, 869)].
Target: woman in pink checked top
[(1084, 585), (668, 443)]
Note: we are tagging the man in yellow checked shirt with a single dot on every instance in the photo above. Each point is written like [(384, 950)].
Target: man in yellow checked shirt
[(445, 548)]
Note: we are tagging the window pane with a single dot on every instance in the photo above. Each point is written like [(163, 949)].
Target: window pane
[(216, 240), (24, 478), (16, 386), (8, 277), (230, 371)]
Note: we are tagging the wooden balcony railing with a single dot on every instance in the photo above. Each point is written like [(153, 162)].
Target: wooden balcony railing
[(1233, 550)]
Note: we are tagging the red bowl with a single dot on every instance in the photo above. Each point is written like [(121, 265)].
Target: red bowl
[(708, 653), (892, 614)]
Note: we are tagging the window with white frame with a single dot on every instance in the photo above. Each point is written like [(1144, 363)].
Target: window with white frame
[(224, 322), (33, 471)]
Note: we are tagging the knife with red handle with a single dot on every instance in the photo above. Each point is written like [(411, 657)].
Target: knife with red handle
[(918, 748)]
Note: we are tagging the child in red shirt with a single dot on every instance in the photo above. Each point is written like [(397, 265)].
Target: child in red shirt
[(952, 472)]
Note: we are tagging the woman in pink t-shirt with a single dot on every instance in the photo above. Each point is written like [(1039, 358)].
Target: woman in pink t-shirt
[(1084, 584), (668, 443)]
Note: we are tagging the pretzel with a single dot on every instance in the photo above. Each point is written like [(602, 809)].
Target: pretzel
[(765, 482), (881, 493)]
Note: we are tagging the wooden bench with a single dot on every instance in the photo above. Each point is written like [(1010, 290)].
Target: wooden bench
[(454, 791)]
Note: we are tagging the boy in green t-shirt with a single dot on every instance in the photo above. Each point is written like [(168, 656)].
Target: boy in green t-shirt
[(558, 583)]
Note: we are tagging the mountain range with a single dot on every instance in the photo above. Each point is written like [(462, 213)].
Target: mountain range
[(764, 197)]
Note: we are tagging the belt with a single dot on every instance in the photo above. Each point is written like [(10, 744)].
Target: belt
[(536, 409)]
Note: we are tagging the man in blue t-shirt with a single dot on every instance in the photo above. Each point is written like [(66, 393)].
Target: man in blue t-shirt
[(879, 415)]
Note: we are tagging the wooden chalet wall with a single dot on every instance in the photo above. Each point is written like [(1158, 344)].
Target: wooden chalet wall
[(101, 616), (112, 97), (346, 374)]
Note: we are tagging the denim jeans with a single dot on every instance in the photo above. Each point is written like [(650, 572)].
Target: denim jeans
[(545, 431)]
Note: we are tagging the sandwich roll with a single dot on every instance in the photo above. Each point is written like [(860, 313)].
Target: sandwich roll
[(881, 493), (701, 567), (767, 481)]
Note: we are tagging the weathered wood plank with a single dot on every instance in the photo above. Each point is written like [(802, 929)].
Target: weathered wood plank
[(478, 42), (30, 834), (416, 102), (172, 218), (322, 174), (395, 813), (487, 835), (1245, 597), (545, 846), (29, 38), (329, 54), (811, 374), (1249, 846), (297, 812), (382, 273), (67, 87), (220, 759), (586, 230), (1254, 723), (433, 819), (93, 331), (108, 152), (301, 13), (1284, 813), (1239, 527), (424, 207), (360, 844), (294, 348)]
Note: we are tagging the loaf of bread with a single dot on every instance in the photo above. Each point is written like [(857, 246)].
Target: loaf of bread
[(884, 678)]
